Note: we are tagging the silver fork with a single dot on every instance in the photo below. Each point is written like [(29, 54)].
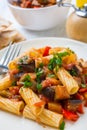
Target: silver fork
[(10, 53)]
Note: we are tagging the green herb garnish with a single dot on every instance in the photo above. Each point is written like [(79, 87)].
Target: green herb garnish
[(27, 81), (23, 60), (83, 85), (71, 51), (27, 78), (39, 73), (62, 126), (27, 84), (14, 83), (57, 60), (73, 72), (62, 54), (39, 86), (19, 67), (41, 65), (51, 75)]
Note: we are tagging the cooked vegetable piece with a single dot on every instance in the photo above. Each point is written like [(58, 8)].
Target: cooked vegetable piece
[(47, 48), (70, 115), (80, 109), (56, 107), (72, 104), (26, 64), (17, 76), (49, 82), (61, 93), (48, 92)]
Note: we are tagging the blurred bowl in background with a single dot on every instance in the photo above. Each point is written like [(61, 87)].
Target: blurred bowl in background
[(38, 18)]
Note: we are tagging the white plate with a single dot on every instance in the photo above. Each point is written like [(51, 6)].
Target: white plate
[(12, 122)]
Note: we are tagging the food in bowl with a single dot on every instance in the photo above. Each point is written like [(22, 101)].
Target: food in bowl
[(34, 3), (38, 19), (46, 85)]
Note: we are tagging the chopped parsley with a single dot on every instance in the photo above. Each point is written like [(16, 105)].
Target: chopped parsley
[(19, 67), (23, 60), (39, 86), (14, 83), (51, 75), (27, 84), (41, 65), (73, 72), (27, 81), (27, 78), (71, 51), (56, 60), (62, 126), (83, 85), (62, 54), (39, 73)]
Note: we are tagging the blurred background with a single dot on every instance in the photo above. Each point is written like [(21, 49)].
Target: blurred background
[(58, 31)]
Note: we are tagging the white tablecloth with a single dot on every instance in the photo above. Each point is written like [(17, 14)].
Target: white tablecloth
[(58, 31)]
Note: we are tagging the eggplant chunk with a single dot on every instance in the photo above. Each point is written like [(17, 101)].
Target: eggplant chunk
[(30, 67), (27, 68), (61, 92), (56, 107), (72, 104), (48, 92), (17, 76), (26, 64)]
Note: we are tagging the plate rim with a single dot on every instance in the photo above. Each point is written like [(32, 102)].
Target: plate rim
[(49, 38), (45, 38)]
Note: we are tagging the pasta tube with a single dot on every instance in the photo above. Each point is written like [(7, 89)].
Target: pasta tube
[(31, 99), (47, 117), (67, 80), (12, 106), (5, 83)]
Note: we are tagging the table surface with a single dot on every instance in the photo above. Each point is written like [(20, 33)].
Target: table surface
[(58, 31)]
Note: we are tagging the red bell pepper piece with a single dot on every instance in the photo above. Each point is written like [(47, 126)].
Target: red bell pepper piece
[(83, 90), (39, 104), (80, 109), (85, 103), (46, 51), (79, 96), (70, 115)]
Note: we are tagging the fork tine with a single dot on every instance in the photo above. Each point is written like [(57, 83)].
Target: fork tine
[(10, 54), (3, 59), (14, 51), (17, 51)]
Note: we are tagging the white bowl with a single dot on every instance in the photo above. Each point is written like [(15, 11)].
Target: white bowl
[(40, 18)]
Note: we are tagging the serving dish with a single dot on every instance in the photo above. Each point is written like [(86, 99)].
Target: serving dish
[(38, 18), (14, 122)]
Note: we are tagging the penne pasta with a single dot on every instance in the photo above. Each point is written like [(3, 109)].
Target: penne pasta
[(5, 83), (47, 117), (31, 99), (15, 107), (28, 113), (67, 80), (45, 85)]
